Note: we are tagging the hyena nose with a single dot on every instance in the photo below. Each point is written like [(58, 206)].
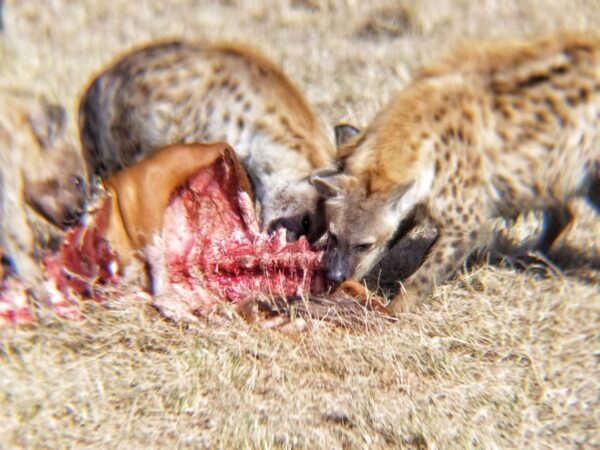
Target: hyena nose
[(336, 275), (72, 216)]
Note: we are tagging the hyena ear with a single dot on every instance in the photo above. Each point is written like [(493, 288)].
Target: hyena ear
[(328, 182), (49, 123), (397, 200), (343, 133)]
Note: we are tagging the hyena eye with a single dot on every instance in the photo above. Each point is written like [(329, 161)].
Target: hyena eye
[(363, 247), (305, 224), (77, 182)]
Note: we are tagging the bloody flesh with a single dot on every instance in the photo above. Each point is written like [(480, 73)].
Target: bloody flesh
[(212, 241), (85, 267), (15, 308), (210, 250)]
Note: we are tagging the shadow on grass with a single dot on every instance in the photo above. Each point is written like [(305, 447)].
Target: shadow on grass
[(584, 265), (576, 262)]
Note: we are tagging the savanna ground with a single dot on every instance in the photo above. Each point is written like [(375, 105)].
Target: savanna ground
[(497, 358)]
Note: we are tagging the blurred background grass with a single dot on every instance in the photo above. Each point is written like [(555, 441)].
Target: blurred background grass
[(499, 358)]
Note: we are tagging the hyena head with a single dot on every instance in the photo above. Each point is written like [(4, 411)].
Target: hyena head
[(360, 224), (298, 208), (53, 172)]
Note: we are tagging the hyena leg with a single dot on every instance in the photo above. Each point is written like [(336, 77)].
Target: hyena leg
[(19, 250), (18, 240), (555, 221), (445, 257)]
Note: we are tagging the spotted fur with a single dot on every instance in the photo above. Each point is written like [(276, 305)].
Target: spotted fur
[(42, 179), (182, 92), (493, 130)]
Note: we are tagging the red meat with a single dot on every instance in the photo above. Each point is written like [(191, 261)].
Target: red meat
[(210, 250)]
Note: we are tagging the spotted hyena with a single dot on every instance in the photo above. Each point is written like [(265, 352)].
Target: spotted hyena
[(182, 92), (494, 130), (42, 177)]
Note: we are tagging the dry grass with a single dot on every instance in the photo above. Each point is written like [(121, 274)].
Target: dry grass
[(499, 358)]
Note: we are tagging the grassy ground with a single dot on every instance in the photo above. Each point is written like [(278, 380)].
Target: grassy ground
[(498, 358)]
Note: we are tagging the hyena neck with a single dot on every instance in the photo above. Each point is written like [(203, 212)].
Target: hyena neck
[(276, 143), (400, 145), (271, 163)]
